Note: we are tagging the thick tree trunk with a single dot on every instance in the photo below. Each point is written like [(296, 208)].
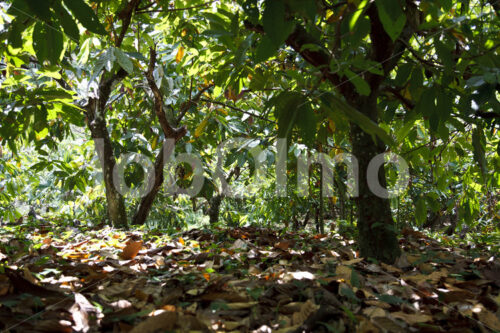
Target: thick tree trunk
[(377, 237), (115, 202)]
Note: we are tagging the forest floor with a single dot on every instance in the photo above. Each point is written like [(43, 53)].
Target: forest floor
[(239, 280)]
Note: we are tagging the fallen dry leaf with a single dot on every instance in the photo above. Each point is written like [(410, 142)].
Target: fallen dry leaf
[(131, 250), (412, 318), (305, 311), (163, 322)]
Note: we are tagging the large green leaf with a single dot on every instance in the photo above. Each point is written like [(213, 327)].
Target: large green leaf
[(265, 49), (51, 94), (444, 105), (47, 42), (275, 25), (40, 9), (334, 104), (444, 53), (15, 37), (293, 110), (85, 15), (427, 107), (239, 56), (306, 122), (420, 211), (40, 121), (66, 21), (403, 73), (106, 60), (478, 142), (72, 114), (286, 112), (361, 85), (123, 60), (392, 17)]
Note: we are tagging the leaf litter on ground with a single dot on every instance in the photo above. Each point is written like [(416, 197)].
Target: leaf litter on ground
[(239, 280)]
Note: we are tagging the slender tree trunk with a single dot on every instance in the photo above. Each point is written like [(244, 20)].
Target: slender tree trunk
[(214, 208), (377, 237), (115, 202), (146, 203), (320, 207), (170, 132)]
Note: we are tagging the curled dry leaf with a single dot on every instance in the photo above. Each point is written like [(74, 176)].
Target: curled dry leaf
[(284, 245), (131, 250)]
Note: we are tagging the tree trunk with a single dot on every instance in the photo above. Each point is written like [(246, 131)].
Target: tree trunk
[(115, 202), (377, 236), (170, 132), (321, 218), (214, 208), (146, 203)]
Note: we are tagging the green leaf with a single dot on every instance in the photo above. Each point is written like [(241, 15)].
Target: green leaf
[(106, 60), (334, 104), (216, 33), (392, 17), (361, 85), (403, 74), (47, 42), (446, 4), (403, 131), (306, 122), (66, 21), (427, 104), (40, 121), (444, 53), (355, 282), (15, 37), (84, 54), (123, 60), (357, 14), (53, 94), (72, 114), (40, 9), (274, 22), (349, 293), (239, 56), (360, 31), (444, 105), (20, 8), (420, 211), (390, 299), (85, 15), (478, 142), (305, 8), (286, 111), (265, 49)]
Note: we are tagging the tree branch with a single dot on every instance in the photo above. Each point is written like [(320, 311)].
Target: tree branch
[(384, 50), (236, 109), (206, 4), (168, 130), (297, 39), (192, 101), (407, 103), (126, 16)]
